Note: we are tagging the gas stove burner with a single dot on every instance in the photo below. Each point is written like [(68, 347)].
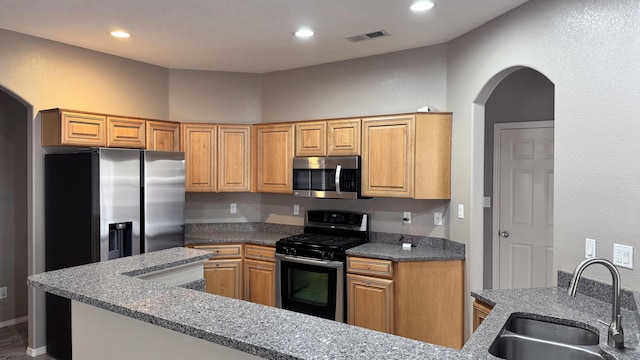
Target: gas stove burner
[(327, 235)]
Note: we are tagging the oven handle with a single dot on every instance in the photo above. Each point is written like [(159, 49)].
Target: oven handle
[(309, 261), (337, 179)]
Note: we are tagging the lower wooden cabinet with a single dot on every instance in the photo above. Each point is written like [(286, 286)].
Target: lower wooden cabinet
[(370, 302), (260, 282), (480, 312), (224, 277)]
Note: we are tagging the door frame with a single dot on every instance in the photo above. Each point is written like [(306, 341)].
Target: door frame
[(495, 243)]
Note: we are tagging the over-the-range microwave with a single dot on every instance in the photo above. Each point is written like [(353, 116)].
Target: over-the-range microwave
[(333, 177)]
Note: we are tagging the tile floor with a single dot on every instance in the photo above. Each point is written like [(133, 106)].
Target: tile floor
[(13, 344)]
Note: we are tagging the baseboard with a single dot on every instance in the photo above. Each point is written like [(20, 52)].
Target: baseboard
[(36, 352), (13, 321)]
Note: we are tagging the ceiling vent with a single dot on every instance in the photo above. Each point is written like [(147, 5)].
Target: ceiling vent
[(368, 36)]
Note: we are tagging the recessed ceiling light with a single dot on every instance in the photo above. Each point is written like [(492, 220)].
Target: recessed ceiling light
[(304, 33), (120, 34), (421, 6)]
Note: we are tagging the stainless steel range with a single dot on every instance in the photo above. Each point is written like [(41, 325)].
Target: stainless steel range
[(310, 276)]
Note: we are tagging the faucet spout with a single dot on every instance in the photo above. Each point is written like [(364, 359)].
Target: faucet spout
[(615, 335)]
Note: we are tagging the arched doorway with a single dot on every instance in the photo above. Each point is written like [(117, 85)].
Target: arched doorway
[(14, 160), (515, 98)]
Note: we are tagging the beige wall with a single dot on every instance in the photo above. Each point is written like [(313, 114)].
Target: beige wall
[(46, 74)]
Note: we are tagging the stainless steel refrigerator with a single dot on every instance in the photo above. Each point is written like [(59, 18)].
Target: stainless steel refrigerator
[(102, 204)]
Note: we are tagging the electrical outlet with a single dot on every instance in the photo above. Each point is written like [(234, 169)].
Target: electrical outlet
[(589, 248), (437, 218), (296, 209), (3, 292), (623, 255), (406, 217), (234, 209), (486, 202)]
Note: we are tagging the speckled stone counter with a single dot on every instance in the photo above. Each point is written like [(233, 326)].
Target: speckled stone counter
[(554, 303), (256, 329), (396, 253), (251, 233)]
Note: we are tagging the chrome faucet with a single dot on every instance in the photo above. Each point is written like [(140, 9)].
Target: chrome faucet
[(616, 335)]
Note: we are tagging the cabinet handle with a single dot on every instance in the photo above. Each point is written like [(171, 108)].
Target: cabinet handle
[(260, 253), (217, 251), (368, 267), (217, 265), (368, 284)]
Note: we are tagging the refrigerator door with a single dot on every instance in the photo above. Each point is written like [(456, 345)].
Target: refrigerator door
[(163, 205), (119, 202)]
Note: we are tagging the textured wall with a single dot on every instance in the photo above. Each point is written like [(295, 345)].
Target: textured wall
[(589, 50)]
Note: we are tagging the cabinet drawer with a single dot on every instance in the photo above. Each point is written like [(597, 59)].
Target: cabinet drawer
[(222, 251), (125, 133), (257, 252), (366, 266)]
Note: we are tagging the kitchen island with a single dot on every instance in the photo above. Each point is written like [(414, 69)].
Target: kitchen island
[(112, 292), (163, 321)]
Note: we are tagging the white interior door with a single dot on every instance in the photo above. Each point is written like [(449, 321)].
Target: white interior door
[(523, 187)]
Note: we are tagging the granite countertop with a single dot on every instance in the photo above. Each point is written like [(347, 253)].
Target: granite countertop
[(256, 329), (395, 252), (555, 303), (248, 237)]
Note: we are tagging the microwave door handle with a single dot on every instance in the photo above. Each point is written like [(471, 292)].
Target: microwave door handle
[(338, 169)]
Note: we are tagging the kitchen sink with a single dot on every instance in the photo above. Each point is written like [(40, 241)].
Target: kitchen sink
[(524, 338)]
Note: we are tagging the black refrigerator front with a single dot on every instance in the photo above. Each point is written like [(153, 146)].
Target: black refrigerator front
[(92, 213)]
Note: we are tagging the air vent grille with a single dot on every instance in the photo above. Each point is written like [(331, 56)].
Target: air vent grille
[(368, 36)]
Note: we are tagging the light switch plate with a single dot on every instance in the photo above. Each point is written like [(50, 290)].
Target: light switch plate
[(623, 255), (589, 248), (460, 211), (486, 202)]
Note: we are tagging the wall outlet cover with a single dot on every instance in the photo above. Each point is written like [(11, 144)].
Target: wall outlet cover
[(233, 208), (3, 292), (296, 209), (437, 218), (623, 255), (406, 217)]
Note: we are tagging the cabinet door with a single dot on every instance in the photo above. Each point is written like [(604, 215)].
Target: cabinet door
[(343, 137), (274, 158), (311, 138), (224, 277), (433, 156), (60, 127), (234, 154), (125, 133), (480, 312), (163, 136), (199, 146), (370, 302), (260, 282), (388, 156)]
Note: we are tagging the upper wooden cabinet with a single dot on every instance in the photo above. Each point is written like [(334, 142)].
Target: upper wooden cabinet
[(311, 138), (328, 138), (125, 132), (63, 127), (199, 145), (234, 158), (163, 135), (407, 156), (217, 158), (343, 137), (274, 154)]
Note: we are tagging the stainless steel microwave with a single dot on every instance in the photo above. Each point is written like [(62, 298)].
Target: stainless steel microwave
[(334, 177)]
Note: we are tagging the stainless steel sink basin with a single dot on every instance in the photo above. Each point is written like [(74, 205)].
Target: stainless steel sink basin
[(524, 338)]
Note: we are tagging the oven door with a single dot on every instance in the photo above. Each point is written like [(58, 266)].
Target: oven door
[(310, 286)]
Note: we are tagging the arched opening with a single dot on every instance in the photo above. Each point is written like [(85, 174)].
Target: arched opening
[(14, 207), (519, 98)]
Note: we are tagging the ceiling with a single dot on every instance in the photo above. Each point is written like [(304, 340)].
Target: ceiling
[(245, 35)]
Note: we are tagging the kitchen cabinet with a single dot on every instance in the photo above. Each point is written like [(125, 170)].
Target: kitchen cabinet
[(125, 132), (480, 312), (223, 271), (311, 138), (260, 274), (163, 135), (370, 293), (234, 158), (407, 156), (274, 157), (217, 157), (224, 277), (70, 128), (429, 301), (339, 137), (199, 145)]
